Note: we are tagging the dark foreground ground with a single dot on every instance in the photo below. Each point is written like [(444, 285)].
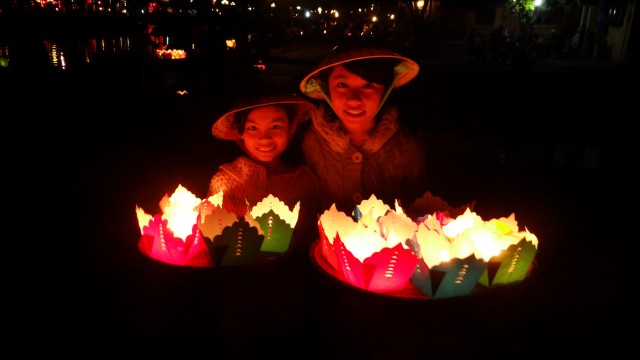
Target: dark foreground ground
[(552, 145)]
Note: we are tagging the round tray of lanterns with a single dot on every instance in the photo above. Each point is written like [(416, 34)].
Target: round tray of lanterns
[(164, 53), (193, 232), (442, 254), (320, 261)]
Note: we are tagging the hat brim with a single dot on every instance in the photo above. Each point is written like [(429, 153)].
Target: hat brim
[(225, 127), (360, 54)]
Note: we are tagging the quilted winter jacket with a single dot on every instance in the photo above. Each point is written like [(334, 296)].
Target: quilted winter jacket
[(391, 164)]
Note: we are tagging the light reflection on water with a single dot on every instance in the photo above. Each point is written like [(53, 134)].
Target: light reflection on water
[(69, 52), (4, 51), (135, 57), (63, 54)]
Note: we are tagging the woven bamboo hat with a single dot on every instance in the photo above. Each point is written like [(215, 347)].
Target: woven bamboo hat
[(405, 71), (225, 127)]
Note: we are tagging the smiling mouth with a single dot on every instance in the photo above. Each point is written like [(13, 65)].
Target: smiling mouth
[(266, 149), (354, 112)]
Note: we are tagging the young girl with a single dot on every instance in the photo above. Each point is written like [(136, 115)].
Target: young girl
[(356, 147), (263, 127)]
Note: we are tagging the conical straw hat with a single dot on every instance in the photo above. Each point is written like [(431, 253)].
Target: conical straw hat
[(225, 127), (406, 70)]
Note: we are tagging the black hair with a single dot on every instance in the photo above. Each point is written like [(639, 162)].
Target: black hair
[(290, 109), (376, 70)]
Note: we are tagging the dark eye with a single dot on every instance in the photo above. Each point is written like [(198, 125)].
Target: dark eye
[(369, 86), (251, 127), (341, 85)]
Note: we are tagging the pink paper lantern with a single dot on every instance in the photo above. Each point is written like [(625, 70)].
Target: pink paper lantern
[(369, 252), (173, 237)]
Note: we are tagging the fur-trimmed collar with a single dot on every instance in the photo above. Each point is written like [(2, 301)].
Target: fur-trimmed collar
[(330, 128)]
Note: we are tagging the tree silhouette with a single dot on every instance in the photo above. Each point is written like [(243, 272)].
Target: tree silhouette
[(420, 12)]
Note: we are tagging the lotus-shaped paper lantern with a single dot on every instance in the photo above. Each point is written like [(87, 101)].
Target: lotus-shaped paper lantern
[(238, 240), (173, 237), (328, 224), (370, 248), (509, 252), (276, 221), (447, 267), (231, 240)]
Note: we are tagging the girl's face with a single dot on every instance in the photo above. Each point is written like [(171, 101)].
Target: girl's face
[(266, 133), (355, 100)]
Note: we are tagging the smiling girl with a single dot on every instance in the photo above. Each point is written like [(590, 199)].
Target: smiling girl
[(356, 145), (263, 127)]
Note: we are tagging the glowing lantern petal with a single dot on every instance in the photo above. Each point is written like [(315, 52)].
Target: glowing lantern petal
[(430, 243), (276, 222), (174, 236), (239, 244), (196, 251), (396, 228), (213, 219), (510, 266), (159, 242), (456, 277), (329, 223), (180, 210), (277, 233), (143, 218), (373, 207), (387, 270), (277, 206)]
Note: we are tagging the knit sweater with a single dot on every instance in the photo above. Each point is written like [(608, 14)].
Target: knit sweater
[(245, 182)]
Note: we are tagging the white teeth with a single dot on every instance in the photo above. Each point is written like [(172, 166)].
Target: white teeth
[(267, 149)]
